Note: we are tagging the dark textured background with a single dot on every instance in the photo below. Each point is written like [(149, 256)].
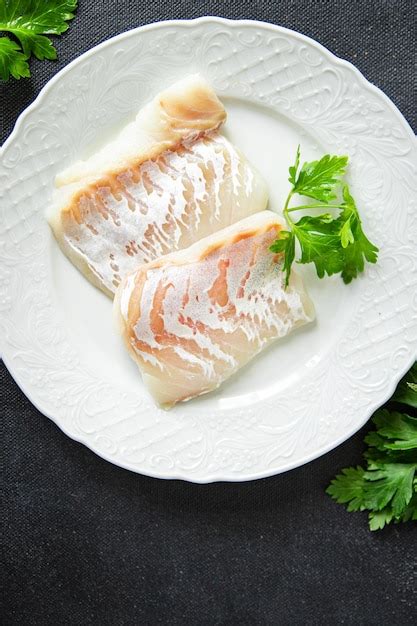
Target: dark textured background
[(89, 543)]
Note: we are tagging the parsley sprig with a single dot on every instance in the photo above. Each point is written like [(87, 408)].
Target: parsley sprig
[(334, 244), (387, 488), (29, 21)]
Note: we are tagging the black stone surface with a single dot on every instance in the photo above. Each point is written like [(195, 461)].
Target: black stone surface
[(88, 543)]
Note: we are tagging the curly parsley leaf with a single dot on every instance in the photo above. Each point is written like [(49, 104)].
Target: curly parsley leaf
[(12, 60), (387, 488), (29, 21), (335, 244)]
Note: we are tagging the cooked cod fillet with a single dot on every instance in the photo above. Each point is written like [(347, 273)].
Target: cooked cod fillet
[(165, 182), (193, 318)]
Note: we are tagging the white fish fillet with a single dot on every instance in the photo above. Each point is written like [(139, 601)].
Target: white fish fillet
[(193, 318), (168, 180)]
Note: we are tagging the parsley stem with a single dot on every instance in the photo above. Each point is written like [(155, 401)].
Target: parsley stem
[(286, 209), (313, 206), (287, 201)]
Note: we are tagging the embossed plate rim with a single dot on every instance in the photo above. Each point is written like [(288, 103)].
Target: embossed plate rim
[(364, 83)]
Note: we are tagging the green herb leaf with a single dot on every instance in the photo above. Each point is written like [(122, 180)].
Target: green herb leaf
[(387, 488), (29, 21), (348, 488), (393, 484), (285, 244), (356, 246), (346, 235), (294, 168), (378, 519), (318, 179), (12, 60), (410, 512), (335, 244), (320, 244), (399, 427), (406, 392)]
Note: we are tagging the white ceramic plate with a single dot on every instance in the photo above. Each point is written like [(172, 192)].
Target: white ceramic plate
[(305, 395)]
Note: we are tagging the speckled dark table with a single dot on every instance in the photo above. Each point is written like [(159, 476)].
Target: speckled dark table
[(89, 543)]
